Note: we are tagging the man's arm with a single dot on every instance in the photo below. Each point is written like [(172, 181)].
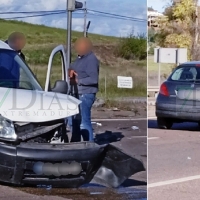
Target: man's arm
[(92, 70)]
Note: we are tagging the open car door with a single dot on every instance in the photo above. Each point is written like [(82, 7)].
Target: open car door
[(61, 51)]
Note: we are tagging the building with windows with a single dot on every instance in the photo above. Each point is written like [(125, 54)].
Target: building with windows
[(153, 15)]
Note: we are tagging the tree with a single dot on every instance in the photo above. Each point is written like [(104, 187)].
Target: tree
[(177, 27), (150, 9), (151, 35)]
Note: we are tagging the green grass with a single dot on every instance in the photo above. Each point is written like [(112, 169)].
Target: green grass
[(41, 40), (40, 35), (122, 68), (153, 67)]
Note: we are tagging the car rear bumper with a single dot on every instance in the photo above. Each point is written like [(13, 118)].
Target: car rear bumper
[(186, 112), (17, 163)]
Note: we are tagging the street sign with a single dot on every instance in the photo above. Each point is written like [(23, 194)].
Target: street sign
[(170, 55), (124, 82)]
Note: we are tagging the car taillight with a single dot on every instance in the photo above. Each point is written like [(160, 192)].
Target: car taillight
[(163, 90)]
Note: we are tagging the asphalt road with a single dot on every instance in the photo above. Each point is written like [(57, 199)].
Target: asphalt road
[(174, 162), (133, 142)]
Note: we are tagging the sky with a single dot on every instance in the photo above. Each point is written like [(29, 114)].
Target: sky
[(158, 5), (99, 24)]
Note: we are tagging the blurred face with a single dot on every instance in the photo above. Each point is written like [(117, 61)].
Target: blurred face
[(17, 41), (83, 46)]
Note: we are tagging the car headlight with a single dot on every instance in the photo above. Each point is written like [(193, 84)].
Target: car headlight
[(7, 130)]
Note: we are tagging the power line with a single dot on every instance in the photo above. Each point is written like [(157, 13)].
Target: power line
[(33, 12), (63, 12), (30, 12), (122, 16), (53, 12), (39, 15)]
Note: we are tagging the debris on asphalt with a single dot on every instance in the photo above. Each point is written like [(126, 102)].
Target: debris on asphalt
[(123, 128), (135, 128), (96, 193), (97, 123), (116, 109), (189, 158), (47, 187)]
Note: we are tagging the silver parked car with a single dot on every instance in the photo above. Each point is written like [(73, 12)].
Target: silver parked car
[(179, 96)]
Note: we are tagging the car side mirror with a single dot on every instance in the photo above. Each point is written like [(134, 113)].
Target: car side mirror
[(60, 87)]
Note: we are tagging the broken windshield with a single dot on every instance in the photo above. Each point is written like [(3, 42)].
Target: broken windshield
[(14, 73)]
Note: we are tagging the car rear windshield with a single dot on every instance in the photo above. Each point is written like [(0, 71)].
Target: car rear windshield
[(14, 73), (186, 73)]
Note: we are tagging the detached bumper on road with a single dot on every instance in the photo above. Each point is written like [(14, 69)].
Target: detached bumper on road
[(65, 165), (184, 112)]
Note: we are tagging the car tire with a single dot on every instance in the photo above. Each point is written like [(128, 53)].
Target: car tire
[(164, 123)]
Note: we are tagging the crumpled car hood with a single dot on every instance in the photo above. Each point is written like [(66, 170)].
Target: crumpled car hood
[(36, 106)]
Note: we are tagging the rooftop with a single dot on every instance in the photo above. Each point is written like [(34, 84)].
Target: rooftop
[(3, 45)]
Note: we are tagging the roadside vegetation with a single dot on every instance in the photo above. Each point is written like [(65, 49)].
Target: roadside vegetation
[(129, 60), (178, 28), (132, 47)]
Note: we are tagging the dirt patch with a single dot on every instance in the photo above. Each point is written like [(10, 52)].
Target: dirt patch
[(127, 110)]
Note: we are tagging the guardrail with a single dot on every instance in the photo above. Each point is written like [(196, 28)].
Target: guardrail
[(152, 91)]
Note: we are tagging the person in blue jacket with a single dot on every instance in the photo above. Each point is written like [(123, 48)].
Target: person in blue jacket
[(85, 72)]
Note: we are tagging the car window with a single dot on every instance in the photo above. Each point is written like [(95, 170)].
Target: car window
[(185, 74), (14, 73)]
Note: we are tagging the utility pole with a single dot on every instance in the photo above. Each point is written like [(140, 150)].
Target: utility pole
[(72, 5), (196, 24), (85, 20), (69, 28)]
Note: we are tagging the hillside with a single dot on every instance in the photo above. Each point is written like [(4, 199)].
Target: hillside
[(41, 40)]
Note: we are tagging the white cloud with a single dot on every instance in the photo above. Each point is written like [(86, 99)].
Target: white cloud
[(59, 23), (6, 3), (34, 20), (101, 28), (125, 30)]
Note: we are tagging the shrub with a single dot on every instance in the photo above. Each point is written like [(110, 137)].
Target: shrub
[(132, 47)]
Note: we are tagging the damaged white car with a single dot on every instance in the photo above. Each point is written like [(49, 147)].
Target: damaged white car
[(31, 117)]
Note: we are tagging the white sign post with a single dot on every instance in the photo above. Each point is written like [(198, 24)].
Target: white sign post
[(124, 82)]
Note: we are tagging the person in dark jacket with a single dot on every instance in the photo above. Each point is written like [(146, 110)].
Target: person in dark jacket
[(85, 72), (17, 41)]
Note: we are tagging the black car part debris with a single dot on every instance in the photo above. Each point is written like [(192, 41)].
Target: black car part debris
[(33, 159), (106, 165)]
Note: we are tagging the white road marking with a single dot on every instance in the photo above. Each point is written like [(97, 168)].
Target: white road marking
[(152, 117), (180, 180), (153, 138), (121, 119), (136, 137)]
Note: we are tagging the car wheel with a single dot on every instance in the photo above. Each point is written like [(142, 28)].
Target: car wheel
[(164, 123)]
